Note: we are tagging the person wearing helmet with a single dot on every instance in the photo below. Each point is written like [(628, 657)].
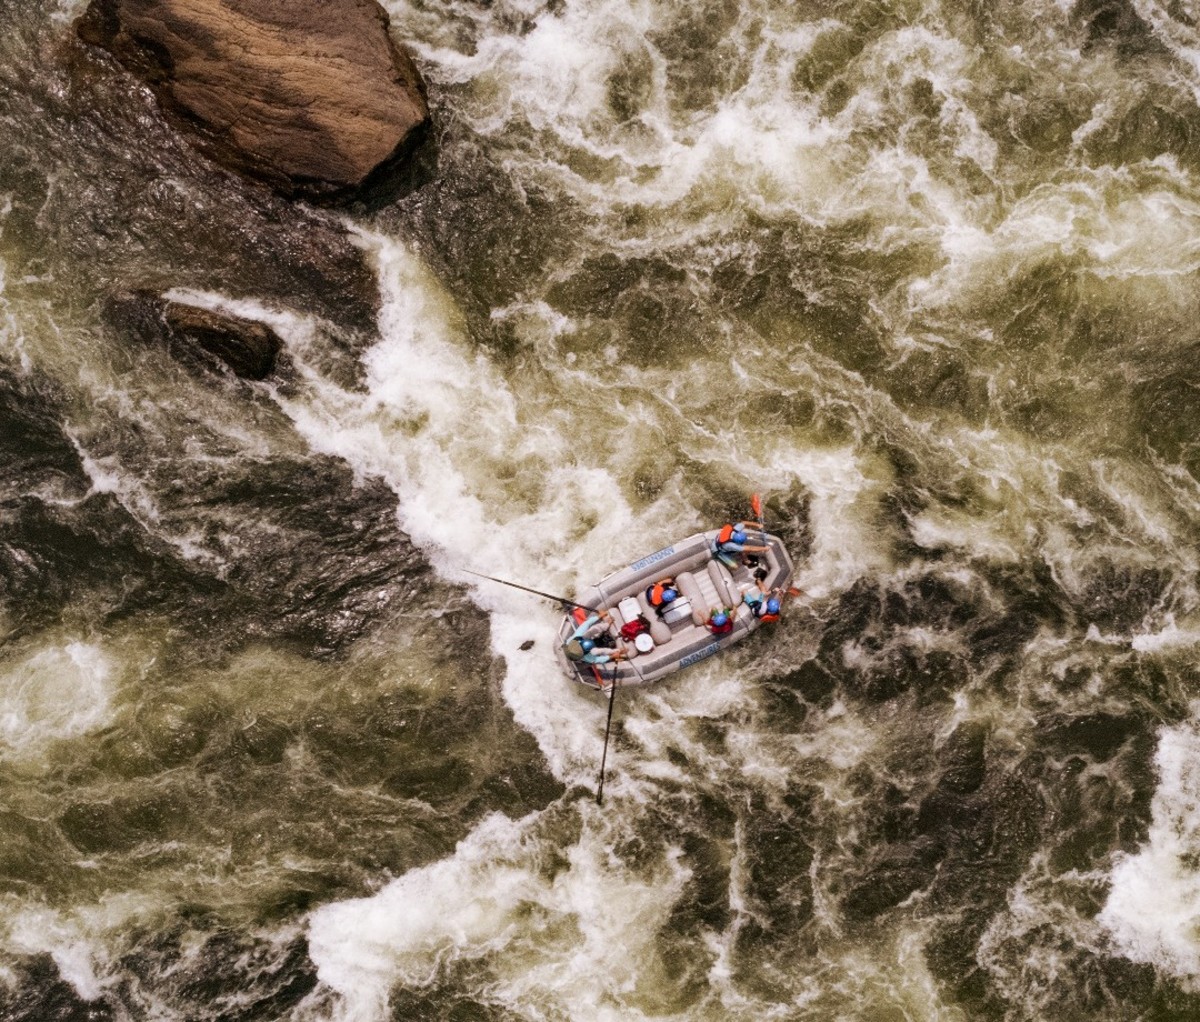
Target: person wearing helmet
[(594, 654), (720, 621), (766, 607), (732, 542), (754, 596), (581, 646), (769, 612), (661, 595)]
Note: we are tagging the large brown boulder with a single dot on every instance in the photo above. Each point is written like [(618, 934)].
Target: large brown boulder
[(312, 96)]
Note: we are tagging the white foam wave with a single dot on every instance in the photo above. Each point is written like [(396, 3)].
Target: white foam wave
[(1026, 946), (948, 529), (106, 474), (12, 340), (66, 11), (469, 465), (759, 145), (58, 693), (1170, 637), (574, 941), (552, 75), (843, 512), (1107, 219), (1174, 25), (1154, 900), (77, 939)]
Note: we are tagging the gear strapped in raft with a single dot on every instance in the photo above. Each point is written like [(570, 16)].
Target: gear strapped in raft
[(678, 634)]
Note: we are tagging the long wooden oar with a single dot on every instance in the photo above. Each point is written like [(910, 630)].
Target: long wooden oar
[(612, 698), (536, 592), (612, 694)]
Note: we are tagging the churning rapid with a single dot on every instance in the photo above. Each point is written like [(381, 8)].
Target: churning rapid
[(923, 273)]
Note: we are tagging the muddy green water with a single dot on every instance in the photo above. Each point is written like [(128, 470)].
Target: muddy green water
[(924, 274)]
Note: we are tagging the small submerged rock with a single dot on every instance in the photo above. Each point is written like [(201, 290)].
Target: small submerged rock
[(313, 97), (248, 348)]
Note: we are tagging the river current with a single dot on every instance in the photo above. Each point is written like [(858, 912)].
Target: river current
[(924, 274)]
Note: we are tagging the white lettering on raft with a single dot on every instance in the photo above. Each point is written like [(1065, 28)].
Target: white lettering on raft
[(653, 558)]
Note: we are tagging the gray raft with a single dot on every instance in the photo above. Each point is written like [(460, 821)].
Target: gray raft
[(680, 637)]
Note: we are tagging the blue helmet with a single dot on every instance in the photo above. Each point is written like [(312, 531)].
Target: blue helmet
[(588, 645), (772, 606), (669, 595), (719, 619), (738, 537)]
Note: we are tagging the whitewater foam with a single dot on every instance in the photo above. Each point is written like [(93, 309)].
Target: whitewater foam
[(1154, 900), (441, 426), (845, 490), (56, 694), (78, 939), (574, 941), (12, 340)]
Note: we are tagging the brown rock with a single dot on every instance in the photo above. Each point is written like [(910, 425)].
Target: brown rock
[(311, 96), (249, 348)]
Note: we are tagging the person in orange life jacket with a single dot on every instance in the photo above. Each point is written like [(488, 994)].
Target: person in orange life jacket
[(732, 542), (583, 649), (661, 595), (720, 621)]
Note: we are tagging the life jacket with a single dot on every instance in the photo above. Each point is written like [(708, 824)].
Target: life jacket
[(767, 617), (574, 650), (726, 533), (654, 595)]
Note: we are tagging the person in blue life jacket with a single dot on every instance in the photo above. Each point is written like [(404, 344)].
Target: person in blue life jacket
[(581, 646), (766, 607), (732, 543), (768, 610), (754, 596)]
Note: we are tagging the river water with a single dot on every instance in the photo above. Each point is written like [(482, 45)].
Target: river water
[(923, 273)]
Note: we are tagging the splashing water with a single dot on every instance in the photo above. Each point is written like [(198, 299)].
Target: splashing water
[(923, 274)]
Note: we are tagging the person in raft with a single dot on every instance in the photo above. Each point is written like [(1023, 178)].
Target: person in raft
[(766, 607), (731, 543), (581, 645), (720, 621), (661, 595)]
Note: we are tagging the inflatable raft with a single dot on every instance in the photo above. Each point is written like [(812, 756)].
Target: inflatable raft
[(680, 637)]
